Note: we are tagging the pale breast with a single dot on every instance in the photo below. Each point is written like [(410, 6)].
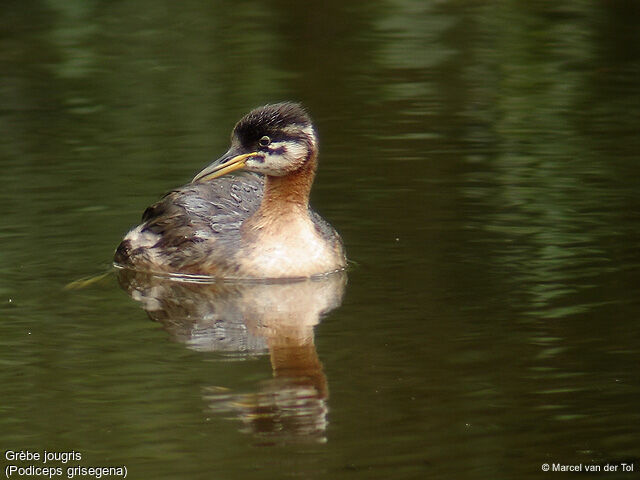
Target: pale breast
[(291, 247)]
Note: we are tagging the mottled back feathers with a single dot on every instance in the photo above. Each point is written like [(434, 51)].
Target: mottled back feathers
[(202, 221)]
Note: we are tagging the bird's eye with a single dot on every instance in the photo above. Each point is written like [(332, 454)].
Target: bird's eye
[(264, 141)]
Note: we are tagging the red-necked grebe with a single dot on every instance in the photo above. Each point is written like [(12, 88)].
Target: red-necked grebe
[(253, 224)]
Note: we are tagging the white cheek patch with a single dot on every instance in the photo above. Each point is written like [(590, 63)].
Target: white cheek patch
[(282, 159), (308, 131), (296, 151), (311, 134)]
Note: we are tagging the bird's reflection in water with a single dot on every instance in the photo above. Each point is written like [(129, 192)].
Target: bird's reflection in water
[(252, 319)]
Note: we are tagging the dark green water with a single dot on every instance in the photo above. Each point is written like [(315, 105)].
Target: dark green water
[(481, 161)]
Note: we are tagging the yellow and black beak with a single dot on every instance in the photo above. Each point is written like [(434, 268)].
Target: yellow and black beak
[(228, 163)]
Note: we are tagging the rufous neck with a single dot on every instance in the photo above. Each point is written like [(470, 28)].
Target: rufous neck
[(289, 191)]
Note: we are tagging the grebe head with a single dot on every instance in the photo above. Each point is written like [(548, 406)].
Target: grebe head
[(274, 140)]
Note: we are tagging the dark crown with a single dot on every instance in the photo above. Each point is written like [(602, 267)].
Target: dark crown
[(270, 119)]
